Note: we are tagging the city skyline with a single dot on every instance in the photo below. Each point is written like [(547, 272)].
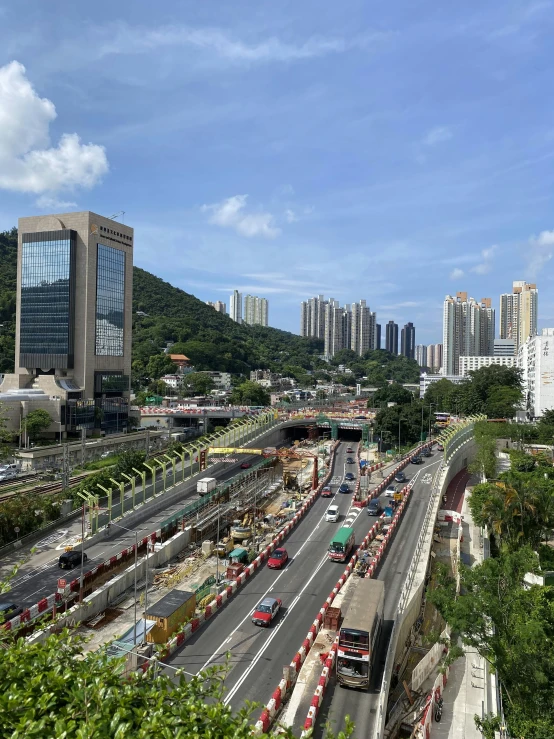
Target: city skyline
[(248, 79)]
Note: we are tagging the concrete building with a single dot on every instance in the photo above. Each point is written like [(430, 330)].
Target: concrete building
[(536, 360), (377, 335), (519, 312), (421, 355), (341, 327), (312, 317), (391, 338), (468, 364), (407, 341), (434, 357), (426, 379), (235, 307), (73, 321), (218, 305), (504, 347), (255, 310), (468, 330), (334, 326)]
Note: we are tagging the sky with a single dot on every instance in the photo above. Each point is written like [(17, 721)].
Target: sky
[(392, 152)]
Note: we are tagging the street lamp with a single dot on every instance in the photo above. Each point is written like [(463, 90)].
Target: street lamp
[(117, 525), (430, 406)]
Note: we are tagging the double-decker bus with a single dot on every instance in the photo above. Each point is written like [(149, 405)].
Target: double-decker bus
[(359, 633), (442, 420), (341, 544)]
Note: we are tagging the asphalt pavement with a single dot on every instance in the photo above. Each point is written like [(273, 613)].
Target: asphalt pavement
[(257, 655), (359, 705), (38, 575)]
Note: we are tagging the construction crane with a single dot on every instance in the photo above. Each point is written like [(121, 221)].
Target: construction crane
[(282, 454)]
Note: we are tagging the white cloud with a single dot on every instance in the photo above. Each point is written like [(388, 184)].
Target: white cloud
[(437, 135), (290, 216), (48, 203), (485, 266), (540, 252), (456, 273), (231, 213), (27, 161)]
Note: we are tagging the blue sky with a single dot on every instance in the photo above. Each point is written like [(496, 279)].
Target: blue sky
[(395, 152)]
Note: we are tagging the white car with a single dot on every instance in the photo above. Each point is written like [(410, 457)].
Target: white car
[(332, 513), (390, 491)]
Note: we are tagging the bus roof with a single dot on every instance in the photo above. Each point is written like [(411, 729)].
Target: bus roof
[(342, 535), (367, 599)]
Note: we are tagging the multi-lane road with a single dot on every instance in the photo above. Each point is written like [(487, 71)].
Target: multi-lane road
[(256, 656), (37, 577)]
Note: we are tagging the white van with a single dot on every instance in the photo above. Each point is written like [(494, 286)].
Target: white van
[(332, 513)]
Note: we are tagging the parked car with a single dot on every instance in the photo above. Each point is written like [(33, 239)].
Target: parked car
[(400, 477), (266, 611), (9, 611), (390, 491), (349, 476), (278, 559), (374, 507), (326, 491), (344, 488), (350, 461), (246, 465), (71, 559), (332, 513)]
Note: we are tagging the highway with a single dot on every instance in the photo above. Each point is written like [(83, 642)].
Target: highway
[(38, 576), (360, 705), (257, 655)]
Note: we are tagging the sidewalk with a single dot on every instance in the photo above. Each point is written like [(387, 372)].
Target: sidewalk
[(464, 693)]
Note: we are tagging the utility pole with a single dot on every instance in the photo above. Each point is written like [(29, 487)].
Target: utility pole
[(83, 445), (65, 466)]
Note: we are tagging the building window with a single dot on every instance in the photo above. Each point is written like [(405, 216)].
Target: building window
[(47, 292), (110, 300), (110, 382)]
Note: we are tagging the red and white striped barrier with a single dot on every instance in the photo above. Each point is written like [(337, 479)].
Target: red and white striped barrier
[(321, 686)]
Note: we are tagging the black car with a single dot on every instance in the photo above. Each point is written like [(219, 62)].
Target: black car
[(427, 453), (349, 476), (417, 460), (71, 559), (374, 508), (344, 488), (350, 461), (400, 477), (9, 611)]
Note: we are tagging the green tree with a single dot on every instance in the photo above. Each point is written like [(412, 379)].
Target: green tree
[(502, 402), (126, 461), (36, 422), (321, 395), (393, 393), (250, 393), (199, 383), (159, 365)]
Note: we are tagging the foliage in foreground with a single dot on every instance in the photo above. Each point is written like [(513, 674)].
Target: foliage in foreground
[(48, 691), (512, 627)]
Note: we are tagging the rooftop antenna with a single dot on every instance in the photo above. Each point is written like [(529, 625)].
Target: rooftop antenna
[(116, 215)]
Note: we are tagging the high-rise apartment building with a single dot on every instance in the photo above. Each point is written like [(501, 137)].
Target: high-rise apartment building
[(518, 313), (536, 360), (407, 341), (334, 328), (504, 348), (391, 338), (363, 331), (421, 355), (347, 327), (434, 357), (74, 316), (235, 306), (312, 317), (468, 330), (218, 305), (255, 310), (377, 335)]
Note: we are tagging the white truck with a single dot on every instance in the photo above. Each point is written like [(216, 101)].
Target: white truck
[(206, 485)]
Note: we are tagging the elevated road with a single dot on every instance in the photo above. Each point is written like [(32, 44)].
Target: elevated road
[(257, 655)]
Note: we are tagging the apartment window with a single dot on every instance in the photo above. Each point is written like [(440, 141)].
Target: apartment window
[(47, 297), (110, 299)]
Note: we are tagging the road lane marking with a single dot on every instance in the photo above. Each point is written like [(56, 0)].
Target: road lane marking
[(274, 633)]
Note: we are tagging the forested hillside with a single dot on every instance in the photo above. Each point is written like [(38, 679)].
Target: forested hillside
[(8, 275)]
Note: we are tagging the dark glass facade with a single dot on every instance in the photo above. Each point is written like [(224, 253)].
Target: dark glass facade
[(47, 299), (110, 301), (110, 382)]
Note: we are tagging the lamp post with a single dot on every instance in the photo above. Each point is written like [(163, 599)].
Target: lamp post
[(430, 406), (136, 566)]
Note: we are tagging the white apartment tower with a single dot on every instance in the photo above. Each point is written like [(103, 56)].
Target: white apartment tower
[(434, 357), (334, 328), (468, 330), (235, 307), (536, 360), (255, 310), (218, 305), (421, 355), (363, 328), (518, 313), (312, 317)]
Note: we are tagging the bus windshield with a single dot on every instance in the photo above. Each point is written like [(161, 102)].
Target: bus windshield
[(336, 546), (352, 667)]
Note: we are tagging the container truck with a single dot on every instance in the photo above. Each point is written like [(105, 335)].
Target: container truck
[(206, 485)]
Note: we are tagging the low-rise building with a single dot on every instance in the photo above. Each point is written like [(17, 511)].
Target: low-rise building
[(469, 364), (426, 380)]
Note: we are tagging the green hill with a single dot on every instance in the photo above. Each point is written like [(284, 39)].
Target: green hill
[(212, 340)]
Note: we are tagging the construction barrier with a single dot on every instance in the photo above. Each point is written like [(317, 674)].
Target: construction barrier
[(270, 711)]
